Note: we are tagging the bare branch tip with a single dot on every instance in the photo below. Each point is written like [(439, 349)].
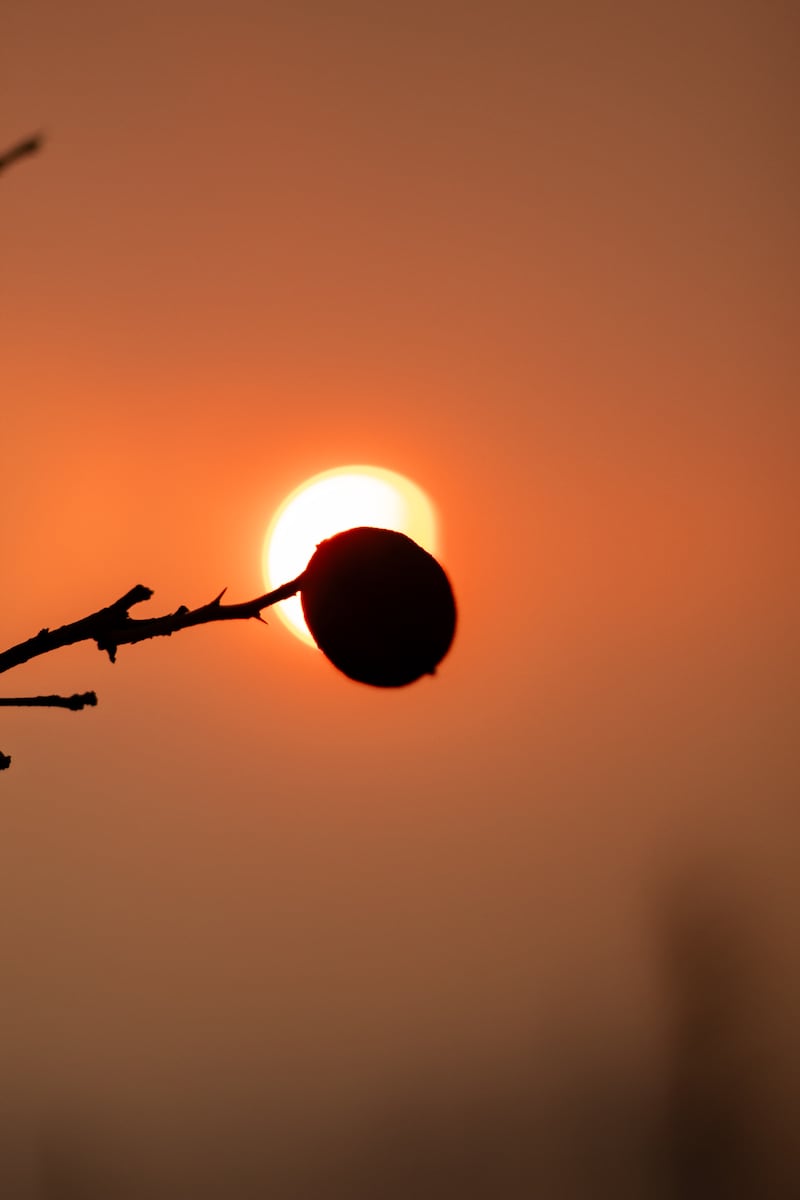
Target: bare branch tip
[(79, 700), (139, 593), (21, 149)]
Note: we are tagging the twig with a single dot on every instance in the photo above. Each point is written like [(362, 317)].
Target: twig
[(79, 700), (21, 150), (112, 627)]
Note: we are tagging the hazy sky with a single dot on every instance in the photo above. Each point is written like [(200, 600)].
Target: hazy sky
[(261, 926)]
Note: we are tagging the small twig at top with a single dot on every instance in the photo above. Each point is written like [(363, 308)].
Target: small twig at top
[(21, 150)]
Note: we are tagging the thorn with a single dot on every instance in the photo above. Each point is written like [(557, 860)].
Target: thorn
[(109, 648), (218, 598)]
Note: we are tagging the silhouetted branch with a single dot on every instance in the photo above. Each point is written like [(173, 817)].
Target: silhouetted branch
[(112, 627), (21, 150), (76, 702), (380, 608), (79, 700)]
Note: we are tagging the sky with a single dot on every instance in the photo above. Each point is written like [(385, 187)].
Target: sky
[(527, 927)]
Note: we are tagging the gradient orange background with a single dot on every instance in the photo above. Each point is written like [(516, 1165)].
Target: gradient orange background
[(263, 930)]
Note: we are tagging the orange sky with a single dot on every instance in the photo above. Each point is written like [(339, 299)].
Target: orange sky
[(542, 259)]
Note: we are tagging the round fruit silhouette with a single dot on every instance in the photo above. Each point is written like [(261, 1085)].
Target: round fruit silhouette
[(378, 606)]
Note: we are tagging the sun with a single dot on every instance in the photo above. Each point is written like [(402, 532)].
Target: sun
[(329, 503)]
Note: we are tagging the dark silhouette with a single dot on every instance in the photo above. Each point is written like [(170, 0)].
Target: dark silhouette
[(380, 608), (21, 150), (77, 701), (712, 1120)]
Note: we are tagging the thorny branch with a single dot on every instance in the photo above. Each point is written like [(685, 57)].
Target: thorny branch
[(113, 626)]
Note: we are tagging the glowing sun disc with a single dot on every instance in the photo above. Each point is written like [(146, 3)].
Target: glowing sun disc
[(330, 503)]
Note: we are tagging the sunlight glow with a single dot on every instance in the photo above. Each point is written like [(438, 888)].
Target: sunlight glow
[(329, 503)]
